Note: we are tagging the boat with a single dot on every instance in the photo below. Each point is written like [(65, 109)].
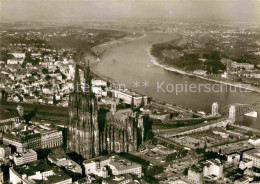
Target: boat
[(252, 114), (201, 112)]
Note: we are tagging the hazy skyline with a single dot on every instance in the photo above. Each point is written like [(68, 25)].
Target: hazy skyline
[(48, 10)]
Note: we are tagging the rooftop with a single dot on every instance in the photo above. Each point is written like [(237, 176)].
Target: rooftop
[(57, 178), (117, 161), (32, 168), (118, 179), (254, 153)]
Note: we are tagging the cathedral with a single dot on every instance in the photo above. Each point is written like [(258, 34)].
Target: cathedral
[(121, 130), (122, 127), (83, 133)]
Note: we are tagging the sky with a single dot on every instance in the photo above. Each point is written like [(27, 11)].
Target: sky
[(47, 10)]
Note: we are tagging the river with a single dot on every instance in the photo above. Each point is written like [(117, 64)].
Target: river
[(128, 63)]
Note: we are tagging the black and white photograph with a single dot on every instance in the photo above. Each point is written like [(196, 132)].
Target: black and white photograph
[(130, 91)]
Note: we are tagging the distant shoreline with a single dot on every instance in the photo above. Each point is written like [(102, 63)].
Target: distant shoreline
[(171, 68), (116, 41)]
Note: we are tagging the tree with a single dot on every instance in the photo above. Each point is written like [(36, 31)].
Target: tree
[(48, 77), (57, 71), (4, 56), (171, 157), (45, 71), (29, 116), (36, 61), (43, 153), (185, 172), (155, 170), (64, 77), (28, 57), (212, 154), (36, 92)]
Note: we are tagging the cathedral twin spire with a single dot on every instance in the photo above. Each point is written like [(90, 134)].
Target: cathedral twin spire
[(85, 92), (83, 134)]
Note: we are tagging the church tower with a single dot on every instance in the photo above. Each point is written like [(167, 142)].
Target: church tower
[(83, 133)]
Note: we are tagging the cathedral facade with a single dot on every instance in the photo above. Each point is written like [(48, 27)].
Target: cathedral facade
[(83, 133)]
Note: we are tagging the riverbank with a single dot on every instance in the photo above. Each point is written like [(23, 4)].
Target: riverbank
[(170, 68), (101, 48)]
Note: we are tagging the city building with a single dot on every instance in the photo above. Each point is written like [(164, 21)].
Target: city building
[(83, 132), (245, 163), (254, 141), (232, 113), (26, 157), (243, 180), (89, 179), (51, 138), (253, 155), (29, 99), (98, 87), (2, 152), (59, 158), (246, 66), (213, 167), (122, 179), (116, 163), (214, 109), (40, 172), (251, 74), (233, 158), (195, 175), (7, 124), (130, 97), (23, 140)]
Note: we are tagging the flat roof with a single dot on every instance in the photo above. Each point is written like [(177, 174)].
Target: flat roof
[(32, 168), (254, 152)]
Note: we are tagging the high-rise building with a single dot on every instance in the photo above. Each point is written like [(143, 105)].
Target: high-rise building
[(232, 114), (83, 133), (215, 109)]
